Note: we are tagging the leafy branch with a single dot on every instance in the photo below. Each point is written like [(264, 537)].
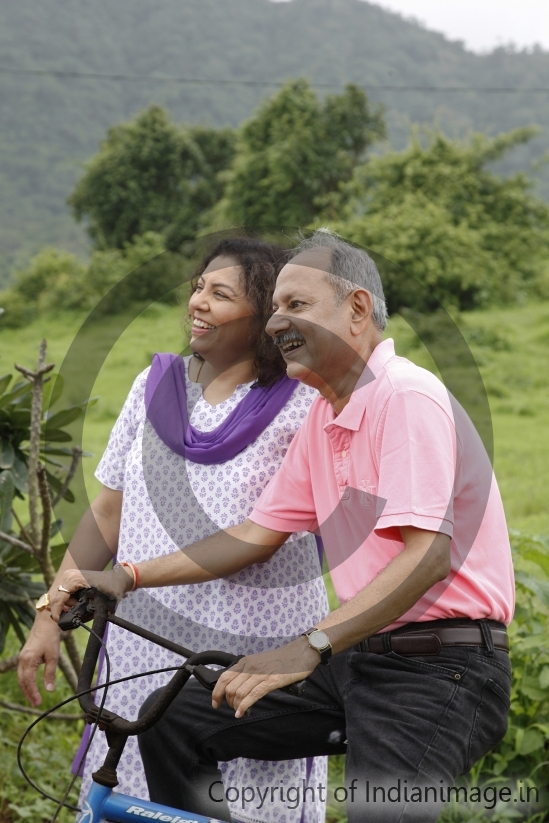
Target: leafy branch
[(36, 379), (30, 439)]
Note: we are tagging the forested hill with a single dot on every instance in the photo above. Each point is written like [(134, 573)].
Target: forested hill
[(51, 124)]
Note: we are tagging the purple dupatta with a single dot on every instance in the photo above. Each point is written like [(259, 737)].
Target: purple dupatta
[(166, 405)]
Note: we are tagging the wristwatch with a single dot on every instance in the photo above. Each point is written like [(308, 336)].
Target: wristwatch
[(320, 642), (43, 602)]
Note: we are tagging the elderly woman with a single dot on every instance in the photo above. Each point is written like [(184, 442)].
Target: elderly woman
[(196, 442)]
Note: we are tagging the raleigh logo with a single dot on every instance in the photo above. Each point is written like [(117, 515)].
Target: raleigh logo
[(164, 818)]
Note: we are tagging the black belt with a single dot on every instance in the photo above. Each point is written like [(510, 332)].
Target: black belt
[(431, 636)]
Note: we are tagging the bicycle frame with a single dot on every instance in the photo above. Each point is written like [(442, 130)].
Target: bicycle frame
[(102, 804)]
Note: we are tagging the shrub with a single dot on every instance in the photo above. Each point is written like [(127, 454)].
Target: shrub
[(522, 757), (524, 752), (56, 280), (17, 310)]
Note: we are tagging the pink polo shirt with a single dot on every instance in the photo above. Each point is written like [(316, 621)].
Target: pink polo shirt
[(403, 452)]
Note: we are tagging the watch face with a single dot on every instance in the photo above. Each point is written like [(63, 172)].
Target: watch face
[(319, 640)]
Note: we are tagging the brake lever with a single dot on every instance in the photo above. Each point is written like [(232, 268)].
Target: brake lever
[(296, 689), (209, 677), (81, 612)]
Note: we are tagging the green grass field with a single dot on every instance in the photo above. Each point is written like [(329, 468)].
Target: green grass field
[(509, 344)]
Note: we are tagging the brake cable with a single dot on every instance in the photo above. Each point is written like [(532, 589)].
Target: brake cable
[(67, 700)]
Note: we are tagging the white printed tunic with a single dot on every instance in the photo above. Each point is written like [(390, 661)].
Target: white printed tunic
[(171, 502)]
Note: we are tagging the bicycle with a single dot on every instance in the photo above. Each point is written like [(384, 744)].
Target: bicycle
[(102, 803)]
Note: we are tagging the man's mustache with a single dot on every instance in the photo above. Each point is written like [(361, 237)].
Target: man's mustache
[(288, 337)]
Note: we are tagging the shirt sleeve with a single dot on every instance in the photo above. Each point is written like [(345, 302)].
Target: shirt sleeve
[(112, 466), (416, 454), (286, 504)]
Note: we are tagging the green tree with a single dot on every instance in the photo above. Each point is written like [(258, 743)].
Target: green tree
[(470, 236), (150, 175), (294, 152)]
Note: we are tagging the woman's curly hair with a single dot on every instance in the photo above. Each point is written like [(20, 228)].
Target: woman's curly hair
[(260, 262)]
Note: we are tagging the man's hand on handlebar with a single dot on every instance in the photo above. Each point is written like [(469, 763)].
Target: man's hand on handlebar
[(116, 583), (255, 676)]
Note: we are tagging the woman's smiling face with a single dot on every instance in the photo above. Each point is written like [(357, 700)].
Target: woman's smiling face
[(215, 306)]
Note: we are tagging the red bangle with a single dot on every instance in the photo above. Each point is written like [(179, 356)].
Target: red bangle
[(135, 573)]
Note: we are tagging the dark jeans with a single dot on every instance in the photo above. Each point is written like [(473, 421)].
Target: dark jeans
[(409, 722)]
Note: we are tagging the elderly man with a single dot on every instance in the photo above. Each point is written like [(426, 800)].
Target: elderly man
[(410, 676)]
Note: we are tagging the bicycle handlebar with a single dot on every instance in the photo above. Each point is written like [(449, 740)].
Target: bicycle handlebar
[(96, 604)]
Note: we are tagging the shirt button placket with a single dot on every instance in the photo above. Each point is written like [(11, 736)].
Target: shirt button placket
[(344, 470)]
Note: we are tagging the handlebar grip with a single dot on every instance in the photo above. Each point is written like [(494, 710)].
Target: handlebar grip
[(209, 677)]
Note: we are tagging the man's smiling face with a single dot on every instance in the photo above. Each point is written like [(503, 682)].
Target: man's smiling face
[(310, 330)]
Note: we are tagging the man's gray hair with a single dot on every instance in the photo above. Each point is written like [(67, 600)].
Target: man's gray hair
[(350, 269)]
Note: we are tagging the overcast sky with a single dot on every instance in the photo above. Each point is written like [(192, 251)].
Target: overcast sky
[(481, 24)]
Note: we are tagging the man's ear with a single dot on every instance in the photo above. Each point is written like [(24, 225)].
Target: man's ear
[(362, 306)]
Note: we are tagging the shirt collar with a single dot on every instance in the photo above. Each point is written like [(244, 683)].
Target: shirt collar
[(352, 414)]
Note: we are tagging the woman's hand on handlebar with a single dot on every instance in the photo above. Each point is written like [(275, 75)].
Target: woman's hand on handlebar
[(116, 583), (42, 646)]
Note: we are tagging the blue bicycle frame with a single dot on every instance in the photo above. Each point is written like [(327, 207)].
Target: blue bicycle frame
[(102, 804)]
